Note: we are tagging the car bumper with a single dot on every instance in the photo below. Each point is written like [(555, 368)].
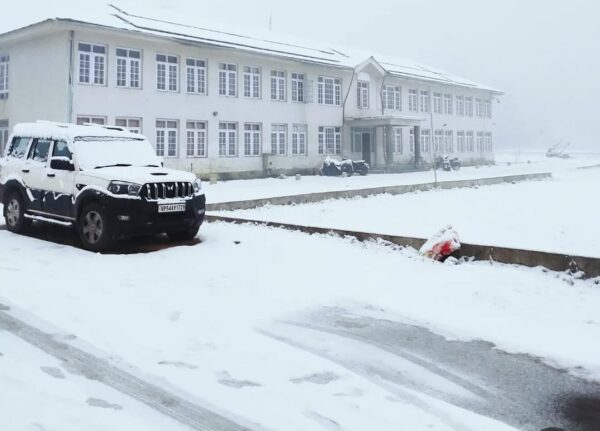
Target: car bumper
[(140, 217)]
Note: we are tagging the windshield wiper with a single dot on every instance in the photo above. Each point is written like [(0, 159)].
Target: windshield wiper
[(118, 165)]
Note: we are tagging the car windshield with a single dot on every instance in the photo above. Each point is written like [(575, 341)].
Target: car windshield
[(98, 152)]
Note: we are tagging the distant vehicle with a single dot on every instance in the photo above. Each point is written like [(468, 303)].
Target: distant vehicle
[(332, 167), (447, 164), (558, 151), (104, 181)]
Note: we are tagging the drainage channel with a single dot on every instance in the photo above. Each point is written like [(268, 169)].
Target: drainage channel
[(589, 266)]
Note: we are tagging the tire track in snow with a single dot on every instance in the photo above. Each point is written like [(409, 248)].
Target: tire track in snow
[(83, 363)]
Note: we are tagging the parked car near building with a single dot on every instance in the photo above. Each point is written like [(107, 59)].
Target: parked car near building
[(105, 182)]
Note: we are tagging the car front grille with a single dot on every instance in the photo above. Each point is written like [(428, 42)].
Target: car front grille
[(170, 190)]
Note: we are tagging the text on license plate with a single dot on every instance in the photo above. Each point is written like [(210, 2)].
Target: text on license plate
[(171, 208)]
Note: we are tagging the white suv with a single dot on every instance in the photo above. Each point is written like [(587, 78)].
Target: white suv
[(104, 181)]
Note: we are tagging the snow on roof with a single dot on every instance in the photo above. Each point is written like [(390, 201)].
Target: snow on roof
[(69, 132), (175, 27)]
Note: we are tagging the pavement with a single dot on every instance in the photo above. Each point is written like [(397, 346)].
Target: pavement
[(519, 390)]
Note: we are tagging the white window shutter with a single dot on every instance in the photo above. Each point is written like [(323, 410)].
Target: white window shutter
[(309, 91)]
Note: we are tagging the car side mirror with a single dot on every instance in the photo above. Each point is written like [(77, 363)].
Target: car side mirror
[(61, 164)]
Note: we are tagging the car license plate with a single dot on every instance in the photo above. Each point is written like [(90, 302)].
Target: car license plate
[(171, 208)]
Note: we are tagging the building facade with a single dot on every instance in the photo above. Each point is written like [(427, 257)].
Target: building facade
[(241, 107)]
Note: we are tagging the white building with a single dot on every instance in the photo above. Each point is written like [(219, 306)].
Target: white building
[(233, 105)]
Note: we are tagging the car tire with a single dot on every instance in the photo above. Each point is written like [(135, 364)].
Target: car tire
[(14, 213), (94, 229), (184, 235)]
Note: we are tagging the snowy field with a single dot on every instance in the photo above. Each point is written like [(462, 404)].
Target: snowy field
[(558, 215), (507, 163), (210, 320)]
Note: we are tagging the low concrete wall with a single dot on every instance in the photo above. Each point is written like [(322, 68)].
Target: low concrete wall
[(532, 258), (392, 190)]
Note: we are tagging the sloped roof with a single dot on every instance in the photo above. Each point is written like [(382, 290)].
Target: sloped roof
[(252, 41)]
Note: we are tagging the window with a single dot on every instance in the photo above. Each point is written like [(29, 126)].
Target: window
[(134, 125), (425, 140), (449, 141), (252, 139), (362, 89), (460, 105), (299, 133), (166, 138), (330, 91), (279, 139), (81, 120), (39, 150), (412, 100), (487, 108), (398, 140), (391, 98), (330, 140), (18, 148), (128, 68), (298, 87), (92, 64), (438, 138), (227, 79), (448, 103), (252, 82), (480, 142), (469, 106), (278, 84), (167, 72), (488, 142), (195, 138), (437, 103), (196, 76), (3, 135), (412, 140), (4, 76), (470, 142), (228, 139), (460, 142), (424, 101), (61, 149), (479, 107)]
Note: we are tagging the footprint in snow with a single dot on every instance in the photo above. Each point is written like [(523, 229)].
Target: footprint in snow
[(179, 364), (97, 402), (226, 379), (316, 378), (53, 372)]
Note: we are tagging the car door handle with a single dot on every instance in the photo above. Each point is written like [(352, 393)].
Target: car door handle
[(26, 171), (51, 174)]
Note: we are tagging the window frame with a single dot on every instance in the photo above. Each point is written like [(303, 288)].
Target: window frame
[(279, 131), (129, 62), (167, 129), (225, 76), (167, 76), (196, 133), (4, 76), (252, 146), (91, 118), (398, 140), (336, 90), (278, 85), (299, 130), (413, 100), (448, 104), (424, 101), (396, 97), (132, 129), (336, 133), (252, 78), (226, 133), (362, 94), (92, 63), (298, 87), (193, 71)]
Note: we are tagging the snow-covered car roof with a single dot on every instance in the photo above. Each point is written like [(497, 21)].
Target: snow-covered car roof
[(70, 132), (161, 23)]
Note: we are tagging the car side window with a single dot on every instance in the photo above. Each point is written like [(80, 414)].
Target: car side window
[(61, 149), (18, 147), (39, 150)]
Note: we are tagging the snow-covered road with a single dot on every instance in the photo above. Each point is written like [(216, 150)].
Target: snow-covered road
[(201, 318)]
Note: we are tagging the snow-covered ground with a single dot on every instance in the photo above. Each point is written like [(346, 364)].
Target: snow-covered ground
[(558, 215), (507, 163), (209, 319)]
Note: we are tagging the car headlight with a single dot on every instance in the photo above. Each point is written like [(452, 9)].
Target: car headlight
[(197, 186), (124, 188)]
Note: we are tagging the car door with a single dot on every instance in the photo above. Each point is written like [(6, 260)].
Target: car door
[(58, 198), (34, 172)]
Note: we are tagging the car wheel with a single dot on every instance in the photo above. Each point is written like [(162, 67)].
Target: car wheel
[(184, 235), (14, 213), (94, 229)]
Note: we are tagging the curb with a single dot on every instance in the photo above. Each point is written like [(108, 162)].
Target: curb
[(392, 190), (531, 258)]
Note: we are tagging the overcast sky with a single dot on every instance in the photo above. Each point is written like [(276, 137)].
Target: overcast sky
[(544, 54)]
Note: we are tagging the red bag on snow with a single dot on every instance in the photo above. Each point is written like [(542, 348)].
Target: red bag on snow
[(442, 244)]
